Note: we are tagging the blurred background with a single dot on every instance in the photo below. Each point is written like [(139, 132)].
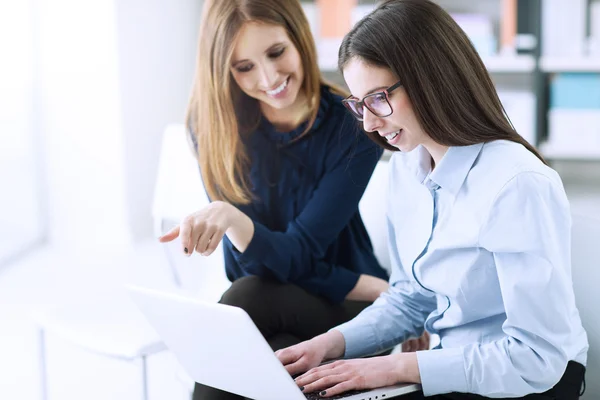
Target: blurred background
[(87, 90)]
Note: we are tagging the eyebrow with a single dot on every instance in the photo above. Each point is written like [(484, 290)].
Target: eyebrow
[(234, 63), (375, 89)]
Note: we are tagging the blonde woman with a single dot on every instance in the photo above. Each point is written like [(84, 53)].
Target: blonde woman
[(285, 166)]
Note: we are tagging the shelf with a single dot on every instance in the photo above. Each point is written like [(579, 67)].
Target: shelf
[(564, 64), (494, 64), (557, 154), (510, 64)]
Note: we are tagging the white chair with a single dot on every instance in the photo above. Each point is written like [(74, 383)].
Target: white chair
[(179, 191), (95, 314), (102, 319), (585, 257), (372, 208)]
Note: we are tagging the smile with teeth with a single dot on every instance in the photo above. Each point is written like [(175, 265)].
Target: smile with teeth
[(392, 135), (278, 89)]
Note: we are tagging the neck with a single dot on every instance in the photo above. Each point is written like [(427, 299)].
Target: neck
[(287, 119), (437, 152)]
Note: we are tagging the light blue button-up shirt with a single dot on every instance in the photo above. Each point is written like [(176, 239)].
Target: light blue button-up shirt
[(480, 251)]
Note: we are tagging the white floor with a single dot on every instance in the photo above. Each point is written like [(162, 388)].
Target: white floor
[(47, 278)]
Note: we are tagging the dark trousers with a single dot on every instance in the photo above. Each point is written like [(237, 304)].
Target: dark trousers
[(285, 314), (568, 388)]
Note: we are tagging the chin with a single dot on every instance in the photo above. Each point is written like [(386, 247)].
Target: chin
[(282, 103)]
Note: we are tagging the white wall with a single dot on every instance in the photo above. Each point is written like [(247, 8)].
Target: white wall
[(113, 74), (157, 53), (20, 219)]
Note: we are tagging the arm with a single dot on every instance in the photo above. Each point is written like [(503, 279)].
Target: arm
[(528, 232), (396, 315), (297, 253)]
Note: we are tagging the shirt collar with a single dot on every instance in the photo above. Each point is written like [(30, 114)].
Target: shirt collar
[(452, 170)]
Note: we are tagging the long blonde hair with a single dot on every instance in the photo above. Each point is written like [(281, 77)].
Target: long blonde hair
[(219, 113)]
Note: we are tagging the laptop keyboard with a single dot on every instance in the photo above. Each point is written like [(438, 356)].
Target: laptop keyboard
[(315, 395)]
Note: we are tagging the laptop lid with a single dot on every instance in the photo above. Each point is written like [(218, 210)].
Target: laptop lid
[(219, 346)]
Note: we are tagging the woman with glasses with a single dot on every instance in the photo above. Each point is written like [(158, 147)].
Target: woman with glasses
[(479, 229), (285, 165)]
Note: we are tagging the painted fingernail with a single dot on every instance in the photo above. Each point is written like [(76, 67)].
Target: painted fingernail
[(323, 393), (301, 388), (185, 250)]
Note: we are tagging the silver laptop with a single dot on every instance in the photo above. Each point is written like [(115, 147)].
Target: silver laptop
[(219, 346)]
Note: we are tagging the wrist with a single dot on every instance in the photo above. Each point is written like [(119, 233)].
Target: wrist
[(334, 343), (406, 367), (230, 211)]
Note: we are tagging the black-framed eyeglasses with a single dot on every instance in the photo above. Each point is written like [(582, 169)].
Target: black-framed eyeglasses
[(378, 103)]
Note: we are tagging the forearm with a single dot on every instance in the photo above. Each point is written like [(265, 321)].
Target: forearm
[(368, 288), (241, 230)]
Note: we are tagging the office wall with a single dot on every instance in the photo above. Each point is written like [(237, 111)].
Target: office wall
[(112, 75), (156, 59)]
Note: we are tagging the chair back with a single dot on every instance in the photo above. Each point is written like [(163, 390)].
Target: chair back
[(372, 208), (179, 192), (585, 256)]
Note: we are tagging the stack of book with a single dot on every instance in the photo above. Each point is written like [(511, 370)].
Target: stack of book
[(574, 115)]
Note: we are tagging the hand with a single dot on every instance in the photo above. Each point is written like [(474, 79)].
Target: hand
[(203, 230), (421, 343), (364, 373), (309, 354)]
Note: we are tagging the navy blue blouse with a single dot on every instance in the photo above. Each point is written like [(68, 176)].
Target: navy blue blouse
[(307, 228)]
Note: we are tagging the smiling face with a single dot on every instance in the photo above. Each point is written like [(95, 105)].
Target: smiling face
[(400, 129), (267, 66)]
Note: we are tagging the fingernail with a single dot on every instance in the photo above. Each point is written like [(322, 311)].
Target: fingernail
[(323, 393), (185, 250), (301, 388)]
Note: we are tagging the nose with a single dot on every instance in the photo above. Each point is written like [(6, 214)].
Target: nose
[(371, 122), (268, 75)]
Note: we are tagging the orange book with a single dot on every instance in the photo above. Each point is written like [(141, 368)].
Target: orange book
[(335, 17), (508, 26)]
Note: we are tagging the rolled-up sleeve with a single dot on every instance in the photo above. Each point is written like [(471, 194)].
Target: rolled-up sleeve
[(396, 315)]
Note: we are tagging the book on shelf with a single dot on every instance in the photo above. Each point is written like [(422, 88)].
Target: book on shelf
[(568, 40), (508, 27), (520, 107), (574, 115), (480, 30), (594, 39), (335, 17), (526, 38)]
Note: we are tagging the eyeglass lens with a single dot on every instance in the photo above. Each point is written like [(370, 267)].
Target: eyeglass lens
[(377, 103)]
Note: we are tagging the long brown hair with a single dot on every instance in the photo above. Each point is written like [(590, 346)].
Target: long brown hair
[(219, 113), (451, 92)]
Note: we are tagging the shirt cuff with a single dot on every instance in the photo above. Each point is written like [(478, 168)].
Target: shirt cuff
[(442, 371), (360, 339)]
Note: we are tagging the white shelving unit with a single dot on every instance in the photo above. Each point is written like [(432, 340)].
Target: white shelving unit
[(562, 64), (510, 64), (494, 64), (557, 154)]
